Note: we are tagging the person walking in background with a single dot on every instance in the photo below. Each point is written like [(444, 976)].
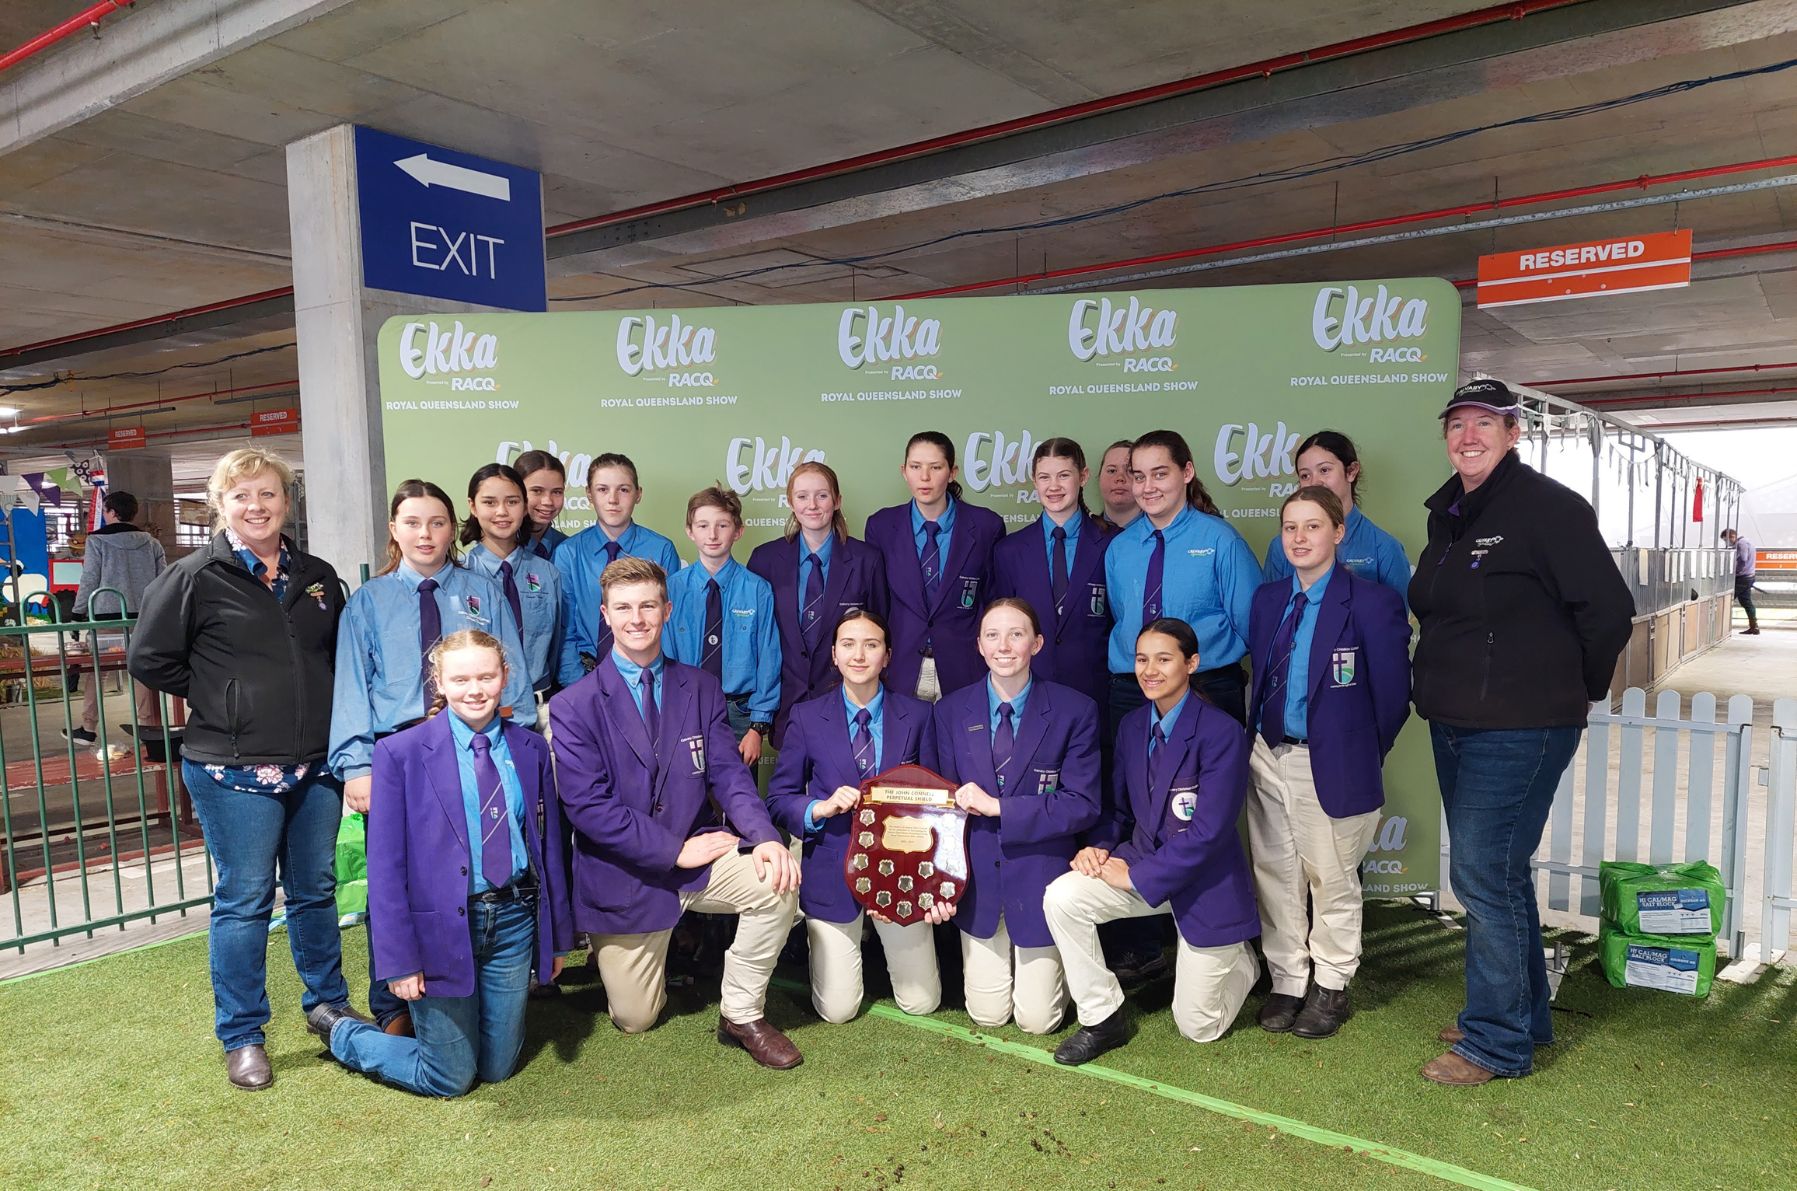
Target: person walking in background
[(1746, 566), (245, 629), (1523, 615), (123, 559)]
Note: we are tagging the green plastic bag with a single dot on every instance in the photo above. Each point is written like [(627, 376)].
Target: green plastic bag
[(352, 868), (1662, 899), (1681, 965)]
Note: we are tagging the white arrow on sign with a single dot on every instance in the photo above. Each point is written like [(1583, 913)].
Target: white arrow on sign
[(441, 173)]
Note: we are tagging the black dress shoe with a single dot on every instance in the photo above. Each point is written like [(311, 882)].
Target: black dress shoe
[(1133, 971), (1324, 1012), (247, 1068), (1279, 1012), (322, 1019), (1088, 1042)]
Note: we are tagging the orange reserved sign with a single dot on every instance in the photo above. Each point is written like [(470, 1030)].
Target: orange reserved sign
[(1621, 265)]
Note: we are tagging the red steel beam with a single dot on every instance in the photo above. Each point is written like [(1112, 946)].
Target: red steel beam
[(88, 18)]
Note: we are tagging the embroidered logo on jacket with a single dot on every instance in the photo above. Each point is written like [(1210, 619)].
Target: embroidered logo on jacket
[(1342, 666)]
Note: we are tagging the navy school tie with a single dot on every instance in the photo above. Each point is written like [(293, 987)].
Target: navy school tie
[(1058, 572), (811, 613), (711, 650), (863, 742), (651, 712), (495, 816), (1151, 588), (511, 593), (1004, 742), (602, 632), (1157, 759), (932, 561), (1269, 695), (430, 628)]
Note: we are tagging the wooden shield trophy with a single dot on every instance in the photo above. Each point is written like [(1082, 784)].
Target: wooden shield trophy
[(908, 844)]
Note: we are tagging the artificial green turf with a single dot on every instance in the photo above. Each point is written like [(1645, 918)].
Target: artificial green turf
[(112, 1079)]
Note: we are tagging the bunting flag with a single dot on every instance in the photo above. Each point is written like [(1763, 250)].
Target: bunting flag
[(1697, 502)]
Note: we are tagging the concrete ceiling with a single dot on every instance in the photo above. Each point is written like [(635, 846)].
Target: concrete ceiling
[(175, 198)]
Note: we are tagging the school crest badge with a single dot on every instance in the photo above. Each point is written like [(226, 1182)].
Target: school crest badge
[(1342, 666), (970, 591), (1185, 805), (1096, 604), (695, 746)]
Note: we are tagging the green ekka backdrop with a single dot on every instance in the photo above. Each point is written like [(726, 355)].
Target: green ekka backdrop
[(743, 394)]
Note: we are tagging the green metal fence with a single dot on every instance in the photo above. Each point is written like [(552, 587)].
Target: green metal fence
[(93, 836)]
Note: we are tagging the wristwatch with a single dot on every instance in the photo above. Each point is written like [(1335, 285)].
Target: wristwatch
[(762, 726)]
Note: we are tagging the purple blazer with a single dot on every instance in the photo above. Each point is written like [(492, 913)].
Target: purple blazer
[(1359, 683), (1052, 793), (948, 626), (857, 579), (418, 857), (814, 761), (1075, 644), (632, 809), (1192, 861)]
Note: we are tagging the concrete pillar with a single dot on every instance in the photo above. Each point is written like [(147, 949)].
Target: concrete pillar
[(338, 321), (150, 476)]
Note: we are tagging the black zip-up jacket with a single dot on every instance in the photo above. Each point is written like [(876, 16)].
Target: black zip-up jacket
[(256, 672), (1522, 608)]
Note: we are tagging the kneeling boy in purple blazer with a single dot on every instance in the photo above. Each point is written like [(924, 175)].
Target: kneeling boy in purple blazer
[(648, 767)]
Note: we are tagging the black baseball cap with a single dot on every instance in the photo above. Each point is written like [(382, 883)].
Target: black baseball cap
[(1487, 394)]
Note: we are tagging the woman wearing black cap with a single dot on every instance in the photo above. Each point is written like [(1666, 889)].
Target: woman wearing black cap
[(1523, 615)]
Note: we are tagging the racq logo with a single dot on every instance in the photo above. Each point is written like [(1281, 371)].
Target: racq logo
[(1096, 329), (1346, 316), (865, 336), (425, 349), (756, 465), (645, 345)]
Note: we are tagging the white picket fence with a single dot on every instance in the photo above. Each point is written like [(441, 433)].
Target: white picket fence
[(1673, 787)]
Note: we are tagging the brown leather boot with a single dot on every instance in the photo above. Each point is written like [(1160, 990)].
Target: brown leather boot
[(765, 1044), (1455, 1072), (247, 1068)]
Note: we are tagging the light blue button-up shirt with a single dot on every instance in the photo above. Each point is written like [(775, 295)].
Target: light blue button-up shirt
[(1297, 679), (379, 686), (471, 796), (1209, 577), (633, 678), (1365, 549), (539, 598), (751, 646), (581, 559), (1069, 546), (945, 525), (993, 699), (876, 728)]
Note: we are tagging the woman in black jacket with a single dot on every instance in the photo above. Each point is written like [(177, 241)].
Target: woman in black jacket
[(1523, 615), (245, 629)]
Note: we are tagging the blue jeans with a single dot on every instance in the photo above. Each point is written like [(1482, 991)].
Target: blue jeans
[(252, 836), (458, 1038), (1497, 787)]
